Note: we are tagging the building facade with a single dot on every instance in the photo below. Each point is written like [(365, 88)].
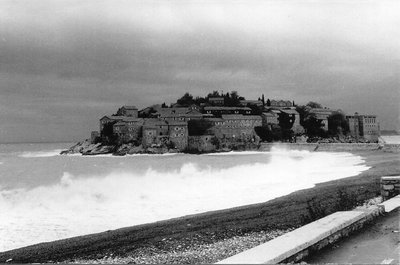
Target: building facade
[(322, 115), (294, 118), (236, 127), (364, 126), (218, 111), (281, 103), (178, 134), (216, 101), (129, 111)]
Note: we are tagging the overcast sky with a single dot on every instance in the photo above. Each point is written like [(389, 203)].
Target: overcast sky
[(65, 64)]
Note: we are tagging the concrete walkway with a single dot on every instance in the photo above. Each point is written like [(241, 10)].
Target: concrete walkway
[(377, 243), (374, 244)]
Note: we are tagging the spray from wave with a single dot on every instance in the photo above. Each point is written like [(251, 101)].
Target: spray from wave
[(41, 154), (84, 204)]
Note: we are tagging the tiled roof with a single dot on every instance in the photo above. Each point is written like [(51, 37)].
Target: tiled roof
[(132, 119), (240, 117), (252, 101), (120, 123), (154, 122), (290, 111), (129, 107), (269, 114), (226, 108), (177, 123), (169, 111), (110, 117), (214, 119), (319, 110)]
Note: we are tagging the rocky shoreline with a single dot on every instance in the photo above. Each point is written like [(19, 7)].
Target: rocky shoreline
[(87, 148)]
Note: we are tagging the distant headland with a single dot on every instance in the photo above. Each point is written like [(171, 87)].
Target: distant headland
[(223, 122)]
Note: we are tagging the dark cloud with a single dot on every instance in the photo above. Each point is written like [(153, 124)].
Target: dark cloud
[(65, 67)]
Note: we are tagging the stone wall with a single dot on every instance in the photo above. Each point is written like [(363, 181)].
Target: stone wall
[(348, 146), (392, 148), (288, 146), (390, 186), (201, 143), (332, 147)]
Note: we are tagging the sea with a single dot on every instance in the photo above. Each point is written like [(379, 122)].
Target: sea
[(45, 196)]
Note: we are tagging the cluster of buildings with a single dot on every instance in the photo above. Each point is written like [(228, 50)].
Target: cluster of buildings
[(157, 125)]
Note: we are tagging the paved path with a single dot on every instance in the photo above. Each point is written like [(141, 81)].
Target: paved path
[(375, 244)]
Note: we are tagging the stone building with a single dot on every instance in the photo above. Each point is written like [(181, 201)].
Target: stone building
[(270, 118), (155, 131), (129, 129), (201, 143), (94, 136), (178, 134), (218, 111), (160, 132), (281, 103), (178, 114), (129, 111), (294, 117), (235, 126), (322, 115), (364, 126), (216, 101), (109, 119), (257, 103)]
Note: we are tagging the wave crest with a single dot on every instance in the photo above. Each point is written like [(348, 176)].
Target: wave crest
[(80, 204)]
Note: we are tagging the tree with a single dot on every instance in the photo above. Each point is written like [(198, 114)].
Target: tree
[(108, 134), (313, 126), (232, 99), (304, 112), (215, 93), (314, 105), (286, 122), (216, 142), (185, 100), (263, 99), (198, 127), (337, 124), (268, 103), (255, 110), (264, 133)]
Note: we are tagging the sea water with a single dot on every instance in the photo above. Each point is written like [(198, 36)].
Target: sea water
[(45, 196)]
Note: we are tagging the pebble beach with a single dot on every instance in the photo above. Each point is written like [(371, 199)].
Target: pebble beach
[(192, 250)]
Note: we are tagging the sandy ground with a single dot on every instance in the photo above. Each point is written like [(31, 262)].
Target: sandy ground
[(378, 243)]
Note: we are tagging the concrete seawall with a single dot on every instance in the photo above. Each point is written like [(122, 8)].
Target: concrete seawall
[(332, 147), (298, 244)]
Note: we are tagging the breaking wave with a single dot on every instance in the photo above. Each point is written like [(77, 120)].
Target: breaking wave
[(41, 153), (82, 204)]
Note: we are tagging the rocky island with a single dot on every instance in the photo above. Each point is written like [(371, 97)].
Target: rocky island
[(222, 122)]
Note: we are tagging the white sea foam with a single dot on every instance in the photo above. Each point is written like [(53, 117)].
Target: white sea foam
[(79, 205), (391, 139), (235, 153), (41, 153)]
